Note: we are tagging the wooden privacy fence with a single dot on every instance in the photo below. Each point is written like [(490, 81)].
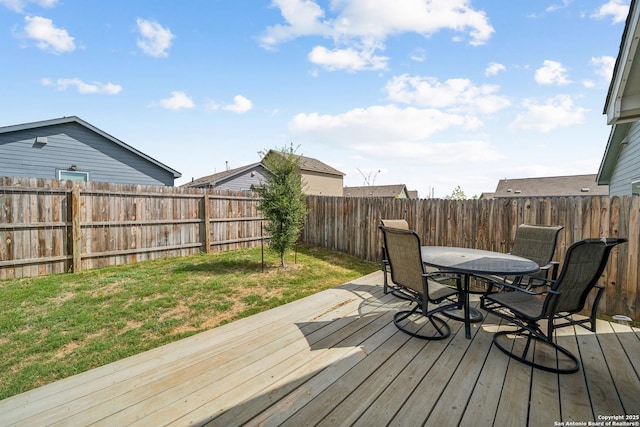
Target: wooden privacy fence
[(49, 226), (350, 225)]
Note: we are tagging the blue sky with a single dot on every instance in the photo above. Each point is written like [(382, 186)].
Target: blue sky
[(433, 94)]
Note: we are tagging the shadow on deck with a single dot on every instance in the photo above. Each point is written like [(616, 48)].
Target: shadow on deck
[(335, 358)]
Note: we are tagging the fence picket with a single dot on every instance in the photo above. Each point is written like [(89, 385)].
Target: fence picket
[(50, 226)]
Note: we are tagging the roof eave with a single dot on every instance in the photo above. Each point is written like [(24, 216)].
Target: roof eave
[(620, 106)]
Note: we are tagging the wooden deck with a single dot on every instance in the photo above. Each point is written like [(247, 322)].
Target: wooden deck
[(336, 358)]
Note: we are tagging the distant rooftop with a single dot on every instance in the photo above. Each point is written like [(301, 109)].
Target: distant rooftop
[(399, 190), (555, 186)]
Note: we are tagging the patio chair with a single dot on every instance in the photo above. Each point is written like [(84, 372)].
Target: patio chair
[(408, 273), (390, 223), (537, 243), (584, 263)]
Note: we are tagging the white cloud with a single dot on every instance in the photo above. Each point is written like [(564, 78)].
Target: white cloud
[(603, 66), (15, 5), (617, 9), (355, 24), (240, 105), (212, 105), (550, 73), (47, 36), (82, 87), (347, 59), (554, 7), (358, 19), (554, 113), (462, 152), (177, 101), (377, 124), (389, 133), (19, 5), (419, 56), (302, 18), (493, 69), (156, 40), (456, 95)]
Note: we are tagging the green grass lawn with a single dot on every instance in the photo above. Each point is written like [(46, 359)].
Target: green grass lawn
[(60, 325)]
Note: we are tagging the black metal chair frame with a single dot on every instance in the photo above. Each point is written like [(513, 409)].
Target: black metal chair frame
[(567, 295), (413, 283), (537, 243), (398, 291), (395, 290)]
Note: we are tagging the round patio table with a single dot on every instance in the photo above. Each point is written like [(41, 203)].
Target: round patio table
[(469, 262)]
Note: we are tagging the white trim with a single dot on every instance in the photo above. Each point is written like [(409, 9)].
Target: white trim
[(70, 173)]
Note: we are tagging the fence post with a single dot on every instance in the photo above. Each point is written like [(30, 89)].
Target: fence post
[(206, 212), (76, 232)]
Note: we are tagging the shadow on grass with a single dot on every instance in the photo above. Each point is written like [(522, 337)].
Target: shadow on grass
[(225, 266)]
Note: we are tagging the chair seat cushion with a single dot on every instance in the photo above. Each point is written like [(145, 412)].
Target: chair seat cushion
[(526, 305), (438, 291)]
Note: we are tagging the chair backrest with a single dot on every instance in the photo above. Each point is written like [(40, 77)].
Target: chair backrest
[(405, 258), (395, 223), (536, 242), (584, 263)]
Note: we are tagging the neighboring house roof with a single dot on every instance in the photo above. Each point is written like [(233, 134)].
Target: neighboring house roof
[(75, 119), (312, 165), (306, 164), (573, 185), (622, 105), (399, 190), (213, 180)]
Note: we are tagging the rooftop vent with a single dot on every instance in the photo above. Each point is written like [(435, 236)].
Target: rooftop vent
[(584, 189)]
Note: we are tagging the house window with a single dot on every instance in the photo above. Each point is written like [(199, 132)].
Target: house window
[(635, 188), (73, 175)]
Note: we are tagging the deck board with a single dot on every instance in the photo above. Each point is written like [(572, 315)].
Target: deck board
[(574, 399), (335, 358)]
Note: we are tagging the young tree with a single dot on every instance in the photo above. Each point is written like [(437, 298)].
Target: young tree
[(282, 201), (457, 194)]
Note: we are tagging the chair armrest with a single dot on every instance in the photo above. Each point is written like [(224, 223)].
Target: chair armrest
[(517, 287), (491, 281), (441, 275), (551, 267)]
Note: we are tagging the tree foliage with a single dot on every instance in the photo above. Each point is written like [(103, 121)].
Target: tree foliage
[(457, 194), (282, 200)]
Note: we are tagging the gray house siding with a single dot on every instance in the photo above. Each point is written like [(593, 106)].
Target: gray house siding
[(620, 166), (73, 144), (628, 165), (243, 182)]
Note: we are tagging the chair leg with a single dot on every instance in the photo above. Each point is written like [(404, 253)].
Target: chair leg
[(441, 328), (385, 272), (539, 339), (594, 308)]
